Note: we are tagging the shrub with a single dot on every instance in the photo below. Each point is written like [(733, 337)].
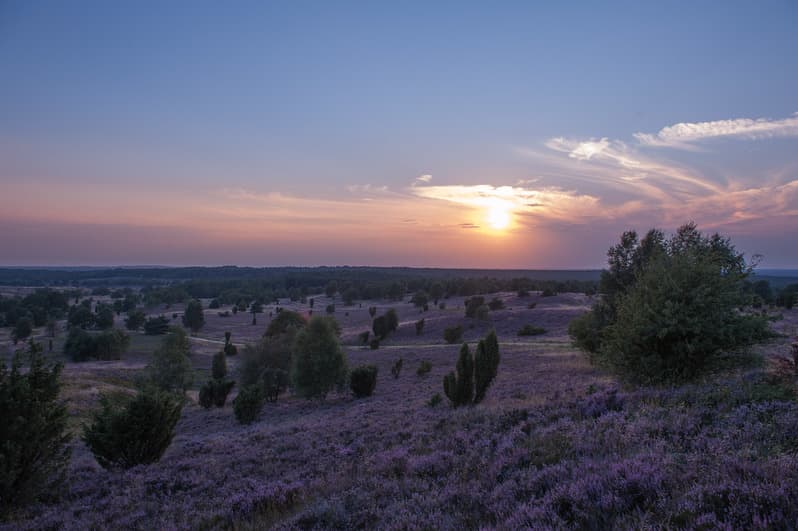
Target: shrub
[(396, 368), (319, 362), (548, 292), (380, 327), (23, 328), (419, 327), (229, 348), (248, 404), (34, 451), (105, 317), (271, 352), (193, 316), (531, 305), (372, 311), (81, 345), (482, 313), (435, 400), (374, 344), (170, 367), (423, 368), (531, 330), (135, 320), (392, 320), (419, 299), (486, 365), (363, 380), (274, 382), (284, 321), (364, 337), (155, 326), (214, 392), (472, 304), (442, 306), (496, 304), (133, 431), (330, 308), (459, 386), (453, 334)]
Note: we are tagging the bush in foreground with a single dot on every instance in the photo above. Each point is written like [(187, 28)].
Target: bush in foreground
[(248, 404), (33, 439), (453, 334), (363, 380), (133, 431)]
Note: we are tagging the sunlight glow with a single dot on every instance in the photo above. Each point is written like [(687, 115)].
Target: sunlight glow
[(498, 217)]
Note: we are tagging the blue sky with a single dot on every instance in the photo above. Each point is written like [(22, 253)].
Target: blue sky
[(216, 125)]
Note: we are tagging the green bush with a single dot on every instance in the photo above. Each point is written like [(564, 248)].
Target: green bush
[(486, 365), (274, 382), (248, 404), (472, 304), (423, 368), (214, 392), (319, 362), (135, 320), (419, 327), (284, 322), (459, 386), (474, 373), (271, 352), (34, 451), (380, 327), (363, 380), (396, 368), (364, 337), (453, 334), (23, 328), (435, 400), (133, 431), (374, 344), (170, 367), (155, 326), (531, 330), (193, 316), (81, 345), (496, 304)]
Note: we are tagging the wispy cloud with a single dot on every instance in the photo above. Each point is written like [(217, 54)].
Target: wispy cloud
[(685, 134)]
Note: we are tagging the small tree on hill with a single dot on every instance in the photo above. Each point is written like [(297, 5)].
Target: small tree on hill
[(380, 327), (319, 362), (459, 387), (170, 368), (214, 392), (193, 317)]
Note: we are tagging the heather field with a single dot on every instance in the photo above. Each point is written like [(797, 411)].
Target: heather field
[(557, 443)]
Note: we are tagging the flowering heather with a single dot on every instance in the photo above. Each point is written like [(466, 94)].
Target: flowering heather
[(556, 444)]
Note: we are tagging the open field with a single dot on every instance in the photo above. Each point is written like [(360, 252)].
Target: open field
[(556, 443)]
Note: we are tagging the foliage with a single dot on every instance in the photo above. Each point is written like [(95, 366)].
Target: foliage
[(22, 330), (372, 311), (135, 320), (193, 316), (424, 367), (274, 382), (156, 326), (363, 337), (105, 317), (271, 352), (396, 368), (669, 306), (170, 367), (496, 304), (435, 400), (81, 316), (374, 344), (453, 334), (284, 321), (482, 313), (330, 308), (248, 404), (392, 320), (419, 299), (81, 345), (459, 387), (472, 304), (319, 362), (133, 431), (380, 327), (419, 327), (486, 365), (532, 330), (34, 451), (214, 392), (363, 380)]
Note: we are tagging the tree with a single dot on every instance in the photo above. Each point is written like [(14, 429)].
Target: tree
[(372, 311), (22, 330), (392, 320), (133, 431), (380, 327), (193, 316), (80, 316), (319, 362), (459, 387), (436, 291), (453, 334), (51, 327), (214, 392), (419, 327), (486, 365), (349, 296), (81, 345), (363, 380), (420, 299), (472, 305), (105, 317), (284, 321), (135, 320), (34, 450), (331, 289), (254, 309), (248, 404), (170, 368), (155, 326)]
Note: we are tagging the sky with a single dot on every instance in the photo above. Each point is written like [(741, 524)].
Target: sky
[(444, 134)]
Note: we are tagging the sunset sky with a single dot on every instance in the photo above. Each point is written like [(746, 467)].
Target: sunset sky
[(452, 134)]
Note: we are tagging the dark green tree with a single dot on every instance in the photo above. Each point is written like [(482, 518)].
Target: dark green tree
[(319, 362), (459, 387), (193, 316)]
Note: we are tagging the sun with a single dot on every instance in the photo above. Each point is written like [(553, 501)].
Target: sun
[(498, 217)]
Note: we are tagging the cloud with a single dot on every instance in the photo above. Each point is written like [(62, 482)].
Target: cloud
[(366, 188), (682, 135)]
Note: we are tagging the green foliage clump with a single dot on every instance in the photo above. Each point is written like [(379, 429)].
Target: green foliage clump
[(419, 327), (363, 380), (435, 400), (274, 382), (130, 431), (374, 344), (424, 368), (474, 373), (156, 326), (496, 304), (214, 392), (105, 317), (392, 320), (34, 451), (170, 368), (380, 327), (193, 316), (284, 321), (248, 404), (669, 307), (459, 387), (135, 320), (472, 304), (396, 368), (81, 345), (482, 313), (23, 328), (453, 334), (319, 363), (531, 330)]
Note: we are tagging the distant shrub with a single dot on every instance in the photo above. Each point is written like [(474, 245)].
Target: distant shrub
[(248, 404), (274, 382), (486, 365), (229, 348), (155, 326), (133, 431), (23, 328), (214, 392), (363, 380), (392, 320), (380, 327), (225, 313), (453, 334), (435, 400), (372, 311), (548, 292), (531, 330), (496, 304), (531, 305), (424, 368), (104, 318), (214, 304), (135, 320), (193, 316), (396, 368), (419, 327), (523, 293), (374, 344), (442, 306), (34, 451), (459, 386), (284, 321), (82, 346), (419, 299), (472, 304), (331, 308), (364, 337), (482, 313), (319, 362), (170, 367)]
